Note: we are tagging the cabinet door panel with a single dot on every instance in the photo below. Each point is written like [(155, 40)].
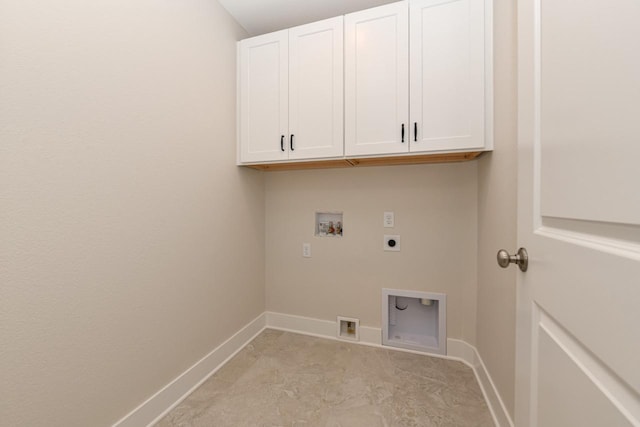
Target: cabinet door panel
[(316, 89), (263, 86), (447, 74), (376, 80)]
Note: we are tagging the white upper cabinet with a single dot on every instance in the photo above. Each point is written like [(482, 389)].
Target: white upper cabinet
[(415, 78), (377, 81), (316, 79), (412, 77), (291, 93), (447, 74), (264, 96)]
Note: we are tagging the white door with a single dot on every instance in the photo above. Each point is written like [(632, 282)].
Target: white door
[(316, 103), (447, 74), (578, 342), (263, 85), (377, 80)]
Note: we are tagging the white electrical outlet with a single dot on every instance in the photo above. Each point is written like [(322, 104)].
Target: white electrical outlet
[(306, 250), (391, 243), (388, 220)]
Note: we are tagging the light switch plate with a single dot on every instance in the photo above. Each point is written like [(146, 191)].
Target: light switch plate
[(306, 250), (389, 220)]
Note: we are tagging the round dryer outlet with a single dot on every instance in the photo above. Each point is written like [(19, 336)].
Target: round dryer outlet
[(391, 243)]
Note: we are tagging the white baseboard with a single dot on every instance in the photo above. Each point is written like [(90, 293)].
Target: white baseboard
[(456, 349), (499, 411), (317, 327), (158, 405)]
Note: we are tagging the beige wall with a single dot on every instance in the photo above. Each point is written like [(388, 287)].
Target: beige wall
[(497, 176), (130, 243), (436, 216)]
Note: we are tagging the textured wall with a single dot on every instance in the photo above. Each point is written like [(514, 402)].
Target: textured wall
[(130, 243), (435, 213), (497, 176)]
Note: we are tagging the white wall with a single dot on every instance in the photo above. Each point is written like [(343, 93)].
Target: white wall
[(436, 216), (126, 230), (497, 186)]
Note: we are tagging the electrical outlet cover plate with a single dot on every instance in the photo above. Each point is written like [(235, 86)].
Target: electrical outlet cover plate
[(391, 243)]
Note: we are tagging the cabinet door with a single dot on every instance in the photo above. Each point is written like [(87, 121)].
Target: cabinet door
[(263, 85), (377, 80), (316, 90), (447, 74)]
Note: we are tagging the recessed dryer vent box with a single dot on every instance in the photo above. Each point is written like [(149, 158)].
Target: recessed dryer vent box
[(414, 320)]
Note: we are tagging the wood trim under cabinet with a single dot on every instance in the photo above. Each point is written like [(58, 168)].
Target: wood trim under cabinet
[(371, 161), (317, 164)]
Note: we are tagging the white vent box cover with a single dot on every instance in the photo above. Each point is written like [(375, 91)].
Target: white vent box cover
[(414, 320)]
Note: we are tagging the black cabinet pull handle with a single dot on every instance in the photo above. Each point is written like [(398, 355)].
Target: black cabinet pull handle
[(402, 133), (282, 142), (291, 142), (415, 131)]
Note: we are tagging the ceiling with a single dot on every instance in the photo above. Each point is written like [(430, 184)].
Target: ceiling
[(265, 16)]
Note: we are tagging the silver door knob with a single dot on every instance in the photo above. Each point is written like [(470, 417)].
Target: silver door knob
[(521, 258)]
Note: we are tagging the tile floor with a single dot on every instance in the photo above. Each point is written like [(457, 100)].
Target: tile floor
[(286, 379)]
